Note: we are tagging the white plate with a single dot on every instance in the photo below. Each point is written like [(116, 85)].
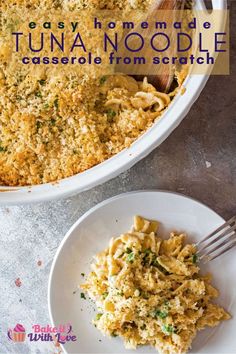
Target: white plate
[(91, 233)]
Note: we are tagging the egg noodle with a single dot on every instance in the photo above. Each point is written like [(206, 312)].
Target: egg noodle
[(149, 291)]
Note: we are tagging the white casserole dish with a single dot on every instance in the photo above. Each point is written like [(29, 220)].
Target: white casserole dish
[(101, 173)]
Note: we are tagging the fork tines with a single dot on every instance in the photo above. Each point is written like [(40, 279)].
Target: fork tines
[(218, 242)]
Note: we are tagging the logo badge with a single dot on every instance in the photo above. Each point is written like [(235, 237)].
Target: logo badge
[(17, 334)]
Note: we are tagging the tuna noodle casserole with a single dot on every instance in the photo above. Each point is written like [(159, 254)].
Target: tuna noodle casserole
[(149, 290), (55, 124)]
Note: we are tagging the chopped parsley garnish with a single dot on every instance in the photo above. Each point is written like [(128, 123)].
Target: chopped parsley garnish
[(195, 258), (168, 329), (159, 266), (103, 80), (56, 103), (130, 258), (148, 257), (82, 274), (104, 295), (154, 262), (98, 316), (114, 334), (110, 115), (42, 82), (46, 106), (128, 250), (38, 125), (160, 314), (120, 293), (38, 94), (53, 122), (82, 295), (144, 295), (3, 149)]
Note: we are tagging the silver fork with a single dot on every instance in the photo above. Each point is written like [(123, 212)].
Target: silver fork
[(218, 242)]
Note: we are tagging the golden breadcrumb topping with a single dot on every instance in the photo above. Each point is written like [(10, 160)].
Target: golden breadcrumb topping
[(55, 122)]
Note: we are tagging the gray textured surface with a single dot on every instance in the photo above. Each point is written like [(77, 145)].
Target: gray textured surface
[(198, 159)]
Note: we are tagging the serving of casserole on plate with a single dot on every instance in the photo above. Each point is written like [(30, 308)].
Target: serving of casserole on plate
[(146, 286), (149, 291)]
